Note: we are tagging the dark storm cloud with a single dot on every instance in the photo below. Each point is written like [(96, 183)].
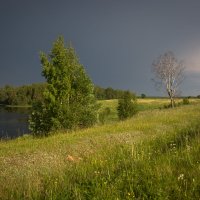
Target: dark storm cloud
[(116, 40)]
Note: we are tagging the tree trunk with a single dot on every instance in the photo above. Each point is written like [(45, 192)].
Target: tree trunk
[(172, 102)]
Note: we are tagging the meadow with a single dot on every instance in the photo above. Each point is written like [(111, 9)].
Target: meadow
[(154, 155)]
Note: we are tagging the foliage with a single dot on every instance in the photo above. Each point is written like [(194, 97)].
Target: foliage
[(28, 94), (127, 106), (186, 101), (69, 102), (143, 96), (23, 95), (166, 106), (142, 105), (108, 93)]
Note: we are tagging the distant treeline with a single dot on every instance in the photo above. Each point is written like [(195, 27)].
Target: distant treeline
[(27, 94), (23, 95), (108, 93)]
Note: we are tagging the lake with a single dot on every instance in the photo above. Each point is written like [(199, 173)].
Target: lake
[(13, 122)]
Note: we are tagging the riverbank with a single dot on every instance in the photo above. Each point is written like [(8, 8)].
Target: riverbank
[(153, 155), (13, 122), (16, 106)]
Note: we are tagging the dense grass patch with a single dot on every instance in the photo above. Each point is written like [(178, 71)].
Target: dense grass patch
[(154, 155), (142, 171)]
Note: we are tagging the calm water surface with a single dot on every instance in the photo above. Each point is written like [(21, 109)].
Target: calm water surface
[(13, 122)]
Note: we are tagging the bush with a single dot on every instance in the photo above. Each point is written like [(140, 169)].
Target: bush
[(166, 106), (127, 106), (186, 101)]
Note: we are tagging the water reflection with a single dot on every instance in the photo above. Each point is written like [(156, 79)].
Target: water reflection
[(13, 121)]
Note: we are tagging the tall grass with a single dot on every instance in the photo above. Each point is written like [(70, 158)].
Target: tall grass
[(154, 155), (153, 170)]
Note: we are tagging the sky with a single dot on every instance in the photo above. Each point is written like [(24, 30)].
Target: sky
[(116, 40)]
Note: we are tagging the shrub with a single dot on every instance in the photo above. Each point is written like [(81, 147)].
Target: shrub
[(186, 101), (127, 106), (166, 106)]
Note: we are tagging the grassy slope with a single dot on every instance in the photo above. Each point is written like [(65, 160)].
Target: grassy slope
[(145, 157), (143, 105)]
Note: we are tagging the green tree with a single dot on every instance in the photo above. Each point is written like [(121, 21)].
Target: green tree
[(22, 95), (68, 98), (110, 93), (99, 92), (10, 94), (127, 106), (3, 96), (143, 96)]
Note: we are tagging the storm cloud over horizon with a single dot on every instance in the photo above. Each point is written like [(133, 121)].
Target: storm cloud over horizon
[(116, 41)]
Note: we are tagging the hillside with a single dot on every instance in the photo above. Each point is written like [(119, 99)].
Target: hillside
[(154, 155)]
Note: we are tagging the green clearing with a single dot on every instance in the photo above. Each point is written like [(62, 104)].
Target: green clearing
[(143, 105), (154, 155)]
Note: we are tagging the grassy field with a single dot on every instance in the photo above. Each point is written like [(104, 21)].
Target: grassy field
[(142, 104), (154, 155)]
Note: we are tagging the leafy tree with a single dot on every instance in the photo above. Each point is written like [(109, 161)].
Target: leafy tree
[(2, 96), (36, 92), (143, 96), (23, 95), (110, 93), (99, 93), (10, 94), (127, 106), (68, 99), (28, 94)]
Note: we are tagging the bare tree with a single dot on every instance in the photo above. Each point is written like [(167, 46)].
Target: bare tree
[(169, 74)]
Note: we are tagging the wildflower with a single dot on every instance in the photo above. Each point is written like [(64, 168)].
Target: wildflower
[(181, 177)]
